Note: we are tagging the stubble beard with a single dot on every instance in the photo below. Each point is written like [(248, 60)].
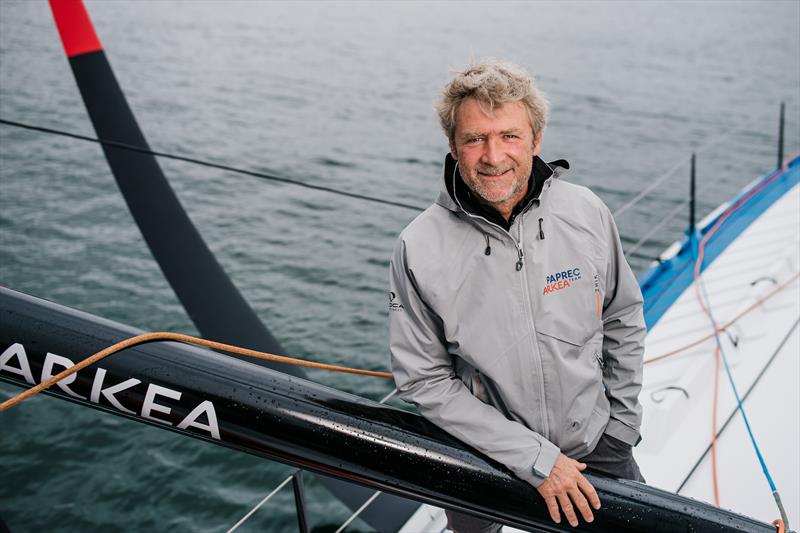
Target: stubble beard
[(489, 194)]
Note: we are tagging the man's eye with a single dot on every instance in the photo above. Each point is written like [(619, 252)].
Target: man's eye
[(511, 136), (473, 140)]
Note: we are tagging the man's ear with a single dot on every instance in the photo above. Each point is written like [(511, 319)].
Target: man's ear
[(453, 151), (537, 143)]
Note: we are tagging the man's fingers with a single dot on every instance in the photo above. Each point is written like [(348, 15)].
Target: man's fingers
[(580, 502), (588, 490), (566, 506), (565, 489), (552, 506)]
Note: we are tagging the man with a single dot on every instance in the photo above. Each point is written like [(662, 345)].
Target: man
[(516, 323)]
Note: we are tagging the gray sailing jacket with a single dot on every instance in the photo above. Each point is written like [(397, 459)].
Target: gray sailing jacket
[(520, 343)]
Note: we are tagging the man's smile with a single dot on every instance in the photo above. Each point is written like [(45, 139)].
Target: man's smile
[(494, 174)]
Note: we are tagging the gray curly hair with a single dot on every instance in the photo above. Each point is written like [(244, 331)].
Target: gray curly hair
[(492, 83)]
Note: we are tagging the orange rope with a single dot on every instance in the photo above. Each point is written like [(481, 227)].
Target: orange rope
[(714, 428), (697, 266), (185, 339)]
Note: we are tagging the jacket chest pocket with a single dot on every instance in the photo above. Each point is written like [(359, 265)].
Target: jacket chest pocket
[(568, 303)]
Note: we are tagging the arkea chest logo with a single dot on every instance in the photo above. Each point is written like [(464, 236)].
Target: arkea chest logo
[(561, 280)]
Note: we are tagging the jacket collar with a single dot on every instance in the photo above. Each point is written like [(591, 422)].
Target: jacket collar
[(456, 196)]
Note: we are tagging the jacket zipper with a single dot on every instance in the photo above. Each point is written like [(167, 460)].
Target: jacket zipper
[(534, 341), (528, 309), (528, 304)]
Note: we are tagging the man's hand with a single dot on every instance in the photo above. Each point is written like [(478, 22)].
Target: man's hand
[(566, 483)]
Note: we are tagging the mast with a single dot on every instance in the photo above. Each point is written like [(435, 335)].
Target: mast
[(214, 304)]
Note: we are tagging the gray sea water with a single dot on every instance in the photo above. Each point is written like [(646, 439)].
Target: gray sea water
[(337, 94)]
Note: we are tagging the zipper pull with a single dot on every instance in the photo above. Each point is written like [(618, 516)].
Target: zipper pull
[(488, 250), (541, 231), (521, 255)]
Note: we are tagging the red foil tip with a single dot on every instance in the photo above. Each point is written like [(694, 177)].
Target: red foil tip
[(75, 27)]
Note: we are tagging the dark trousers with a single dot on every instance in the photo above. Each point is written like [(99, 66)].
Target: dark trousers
[(611, 457)]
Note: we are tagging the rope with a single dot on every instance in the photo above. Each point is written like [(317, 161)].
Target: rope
[(714, 428), (209, 164), (185, 339)]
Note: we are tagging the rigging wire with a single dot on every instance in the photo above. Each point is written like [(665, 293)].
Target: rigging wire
[(210, 164), (647, 190), (665, 176), (266, 498), (53, 131), (664, 221), (358, 511), (261, 175)]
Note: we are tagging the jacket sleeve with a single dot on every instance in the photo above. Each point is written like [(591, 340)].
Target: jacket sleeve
[(425, 376), (623, 340)]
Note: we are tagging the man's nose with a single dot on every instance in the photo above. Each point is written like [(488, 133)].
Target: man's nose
[(492, 152)]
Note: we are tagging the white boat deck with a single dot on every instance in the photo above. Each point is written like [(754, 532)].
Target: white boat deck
[(678, 391)]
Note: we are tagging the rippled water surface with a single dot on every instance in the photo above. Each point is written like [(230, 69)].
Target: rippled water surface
[(341, 95)]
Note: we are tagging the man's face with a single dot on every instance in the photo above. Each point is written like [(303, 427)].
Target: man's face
[(495, 152)]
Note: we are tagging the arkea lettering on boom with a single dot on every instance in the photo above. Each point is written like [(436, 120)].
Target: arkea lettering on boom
[(16, 352)]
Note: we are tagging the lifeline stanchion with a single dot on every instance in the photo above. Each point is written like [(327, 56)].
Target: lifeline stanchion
[(300, 501), (780, 134), (691, 194)]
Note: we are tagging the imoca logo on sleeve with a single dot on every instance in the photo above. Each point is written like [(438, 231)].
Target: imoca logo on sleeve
[(394, 306)]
